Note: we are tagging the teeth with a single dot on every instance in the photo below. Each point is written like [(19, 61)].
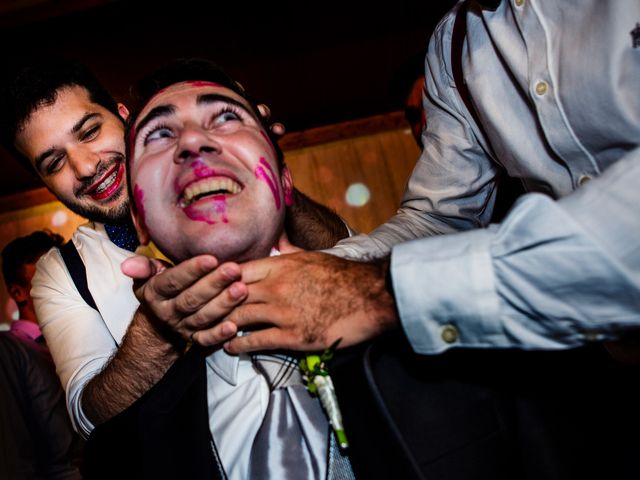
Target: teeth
[(209, 185), (107, 182)]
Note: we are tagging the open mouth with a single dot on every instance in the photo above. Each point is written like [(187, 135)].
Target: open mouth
[(108, 184), (208, 187)]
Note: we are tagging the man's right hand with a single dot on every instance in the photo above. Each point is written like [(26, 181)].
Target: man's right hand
[(188, 297)]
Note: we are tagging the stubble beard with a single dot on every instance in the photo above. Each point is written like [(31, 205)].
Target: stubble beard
[(116, 214)]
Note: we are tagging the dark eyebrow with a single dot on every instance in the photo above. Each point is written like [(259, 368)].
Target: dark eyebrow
[(80, 123), (159, 111), (207, 98), (75, 129), (42, 157)]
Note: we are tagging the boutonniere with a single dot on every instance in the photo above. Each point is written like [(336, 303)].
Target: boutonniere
[(315, 375)]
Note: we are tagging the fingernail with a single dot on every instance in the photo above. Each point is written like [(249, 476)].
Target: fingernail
[(236, 291), (227, 329), (230, 272)]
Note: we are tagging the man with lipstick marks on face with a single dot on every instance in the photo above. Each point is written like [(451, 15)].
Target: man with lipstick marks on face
[(58, 120), (206, 180)]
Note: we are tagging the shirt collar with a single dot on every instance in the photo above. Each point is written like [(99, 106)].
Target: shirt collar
[(225, 365), (490, 4)]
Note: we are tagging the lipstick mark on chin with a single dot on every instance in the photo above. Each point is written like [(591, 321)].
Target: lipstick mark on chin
[(138, 198), (220, 202), (204, 213), (270, 179)]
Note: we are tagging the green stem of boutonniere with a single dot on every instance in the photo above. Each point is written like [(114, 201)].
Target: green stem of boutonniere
[(318, 382)]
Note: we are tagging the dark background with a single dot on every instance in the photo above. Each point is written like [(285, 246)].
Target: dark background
[(313, 63)]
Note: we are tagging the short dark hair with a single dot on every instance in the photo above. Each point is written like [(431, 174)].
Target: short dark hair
[(26, 87), (184, 70), (26, 250)]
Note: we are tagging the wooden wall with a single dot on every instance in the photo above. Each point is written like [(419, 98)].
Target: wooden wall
[(377, 153)]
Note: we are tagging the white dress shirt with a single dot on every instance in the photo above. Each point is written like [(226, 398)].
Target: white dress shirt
[(555, 84), (82, 341)]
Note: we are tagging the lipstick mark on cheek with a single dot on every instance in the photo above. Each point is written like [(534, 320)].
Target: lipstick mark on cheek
[(132, 150), (288, 197), (269, 179), (138, 198), (268, 140)]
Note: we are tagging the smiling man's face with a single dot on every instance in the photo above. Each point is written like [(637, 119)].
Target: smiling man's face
[(77, 148), (205, 175)]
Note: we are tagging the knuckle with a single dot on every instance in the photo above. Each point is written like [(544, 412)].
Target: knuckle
[(187, 302), (147, 295)]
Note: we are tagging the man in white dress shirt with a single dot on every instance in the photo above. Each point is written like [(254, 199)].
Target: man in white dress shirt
[(207, 179)]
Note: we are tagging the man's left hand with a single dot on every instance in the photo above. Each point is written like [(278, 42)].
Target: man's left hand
[(307, 300)]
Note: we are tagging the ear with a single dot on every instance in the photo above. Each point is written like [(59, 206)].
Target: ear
[(123, 111), (138, 223), (19, 293), (284, 246), (287, 185)]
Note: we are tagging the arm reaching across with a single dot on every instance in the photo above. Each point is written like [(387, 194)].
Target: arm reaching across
[(174, 303), (284, 299)]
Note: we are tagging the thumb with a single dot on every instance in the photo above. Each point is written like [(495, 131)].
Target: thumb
[(142, 268)]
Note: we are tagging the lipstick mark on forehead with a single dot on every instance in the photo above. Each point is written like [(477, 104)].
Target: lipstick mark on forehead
[(193, 83), (202, 83), (269, 178)]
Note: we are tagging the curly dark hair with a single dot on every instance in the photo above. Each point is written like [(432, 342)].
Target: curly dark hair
[(184, 70), (27, 86), (26, 250)]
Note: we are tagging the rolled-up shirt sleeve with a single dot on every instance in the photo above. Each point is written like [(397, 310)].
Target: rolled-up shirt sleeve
[(452, 187), (79, 341), (554, 274)]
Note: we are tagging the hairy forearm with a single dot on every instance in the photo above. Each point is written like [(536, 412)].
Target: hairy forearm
[(142, 359), (313, 226)]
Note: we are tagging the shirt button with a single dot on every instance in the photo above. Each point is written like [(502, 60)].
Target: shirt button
[(519, 3), (591, 337), (583, 179), (542, 87), (449, 333)]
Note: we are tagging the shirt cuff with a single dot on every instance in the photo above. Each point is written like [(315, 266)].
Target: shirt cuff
[(445, 292), (81, 423)]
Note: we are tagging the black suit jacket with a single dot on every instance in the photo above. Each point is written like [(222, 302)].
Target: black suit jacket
[(461, 415)]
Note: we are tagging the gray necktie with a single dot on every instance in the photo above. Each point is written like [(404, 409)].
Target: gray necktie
[(294, 440)]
